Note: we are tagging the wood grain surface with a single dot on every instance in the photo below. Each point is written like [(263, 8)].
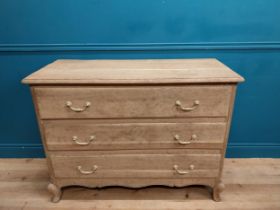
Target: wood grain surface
[(134, 72), (59, 135), (251, 184), (133, 101), (69, 110)]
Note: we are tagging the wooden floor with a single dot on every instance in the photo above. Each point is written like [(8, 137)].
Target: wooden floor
[(250, 184)]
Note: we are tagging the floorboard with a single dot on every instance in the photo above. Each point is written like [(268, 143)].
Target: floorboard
[(251, 184)]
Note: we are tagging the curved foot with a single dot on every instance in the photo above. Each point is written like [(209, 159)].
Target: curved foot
[(55, 191), (218, 188)]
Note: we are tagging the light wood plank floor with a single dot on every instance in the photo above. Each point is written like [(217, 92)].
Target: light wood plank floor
[(250, 184)]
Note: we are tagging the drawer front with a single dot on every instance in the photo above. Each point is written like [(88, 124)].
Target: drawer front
[(173, 164), (88, 135), (133, 102)]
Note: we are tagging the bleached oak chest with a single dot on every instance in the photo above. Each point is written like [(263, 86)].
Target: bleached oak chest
[(134, 122)]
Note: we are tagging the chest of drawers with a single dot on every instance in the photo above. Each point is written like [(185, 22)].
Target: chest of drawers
[(134, 123)]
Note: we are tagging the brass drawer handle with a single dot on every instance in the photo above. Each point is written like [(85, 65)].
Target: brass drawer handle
[(181, 172), (187, 109), (94, 168), (177, 138), (76, 140), (77, 109)]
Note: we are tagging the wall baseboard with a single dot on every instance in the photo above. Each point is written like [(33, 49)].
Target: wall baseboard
[(234, 150), (140, 46), (21, 151), (250, 150)]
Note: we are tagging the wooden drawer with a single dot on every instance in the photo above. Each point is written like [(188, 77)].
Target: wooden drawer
[(136, 163), (133, 102), (89, 135)]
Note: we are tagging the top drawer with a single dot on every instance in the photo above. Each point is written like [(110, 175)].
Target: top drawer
[(133, 102)]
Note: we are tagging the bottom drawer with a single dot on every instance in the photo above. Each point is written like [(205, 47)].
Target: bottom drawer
[(136, 164)]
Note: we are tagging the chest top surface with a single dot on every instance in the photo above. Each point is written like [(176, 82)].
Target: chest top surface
[(159, 71)]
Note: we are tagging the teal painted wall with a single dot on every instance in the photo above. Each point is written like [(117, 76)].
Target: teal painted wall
[(245, 35)]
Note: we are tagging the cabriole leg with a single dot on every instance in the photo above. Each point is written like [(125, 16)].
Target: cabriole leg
[(55, 191), (217, 189)]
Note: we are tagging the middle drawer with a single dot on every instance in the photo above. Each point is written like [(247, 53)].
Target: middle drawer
[(89, 135)]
